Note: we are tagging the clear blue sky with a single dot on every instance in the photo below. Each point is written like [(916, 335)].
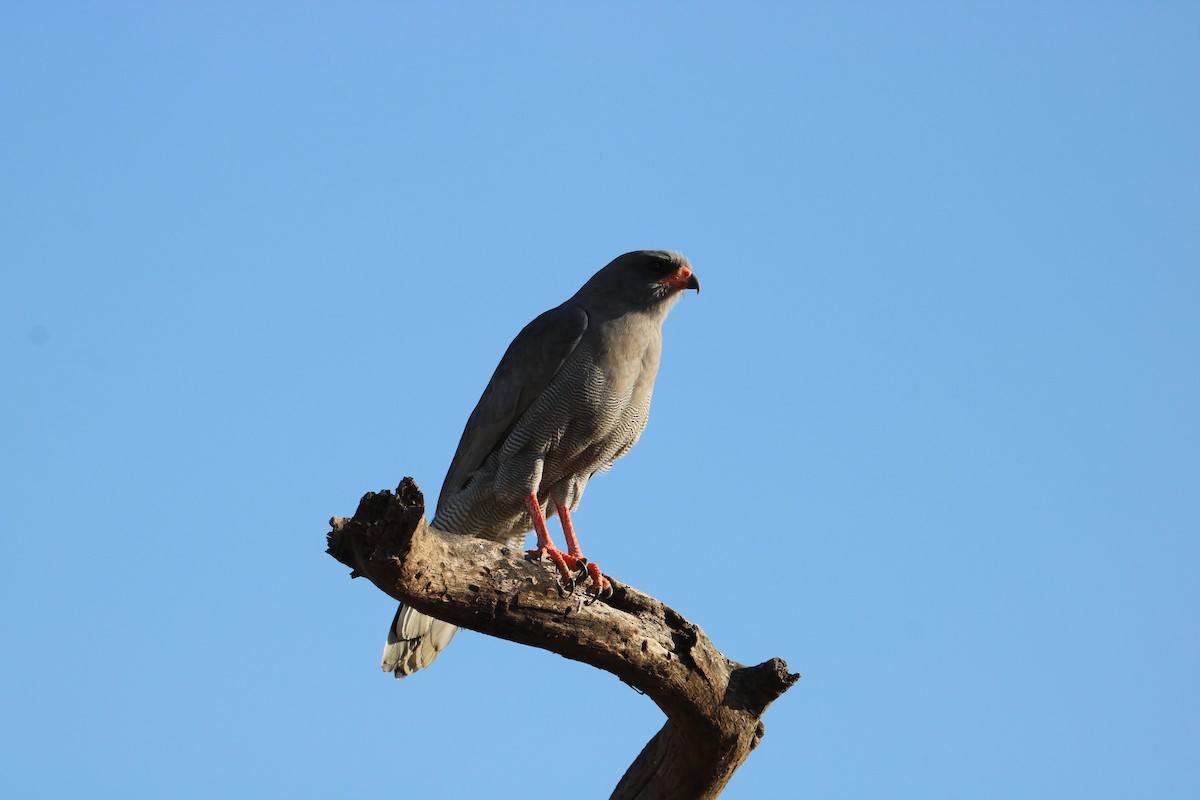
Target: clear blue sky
[(930, 432)]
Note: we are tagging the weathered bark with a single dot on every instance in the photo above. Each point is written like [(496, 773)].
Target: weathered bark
[(713, 705)]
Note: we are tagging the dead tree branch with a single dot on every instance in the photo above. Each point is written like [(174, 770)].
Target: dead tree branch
[(713, 705)]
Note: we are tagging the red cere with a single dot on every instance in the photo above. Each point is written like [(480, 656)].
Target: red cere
[(680, 279)]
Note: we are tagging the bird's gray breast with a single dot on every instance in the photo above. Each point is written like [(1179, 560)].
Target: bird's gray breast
[(589, 415), (597, 406)]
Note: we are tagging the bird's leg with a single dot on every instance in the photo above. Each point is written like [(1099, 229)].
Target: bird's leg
[(599, 582), (566, 563)]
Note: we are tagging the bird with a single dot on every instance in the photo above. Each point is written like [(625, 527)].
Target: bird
[(570, 396)]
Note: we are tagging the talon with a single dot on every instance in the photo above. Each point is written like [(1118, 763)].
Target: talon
[(603, 587), (566, 587)]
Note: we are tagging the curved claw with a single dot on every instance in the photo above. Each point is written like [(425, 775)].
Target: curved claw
[(604, 593), (566, 587)]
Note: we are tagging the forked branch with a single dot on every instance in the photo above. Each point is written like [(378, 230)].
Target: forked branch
[(713, 705)]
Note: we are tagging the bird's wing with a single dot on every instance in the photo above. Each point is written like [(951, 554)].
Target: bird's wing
[(528, 366)]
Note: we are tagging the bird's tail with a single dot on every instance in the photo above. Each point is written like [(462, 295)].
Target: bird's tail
[(414, 641)]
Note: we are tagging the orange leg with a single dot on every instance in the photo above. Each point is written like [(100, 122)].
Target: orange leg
[(600, 583), (566, 563)]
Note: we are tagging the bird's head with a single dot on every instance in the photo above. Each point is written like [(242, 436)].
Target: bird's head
[(643, 279)]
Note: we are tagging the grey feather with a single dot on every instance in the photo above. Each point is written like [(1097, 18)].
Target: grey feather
[(414, 641), (570, 396)]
